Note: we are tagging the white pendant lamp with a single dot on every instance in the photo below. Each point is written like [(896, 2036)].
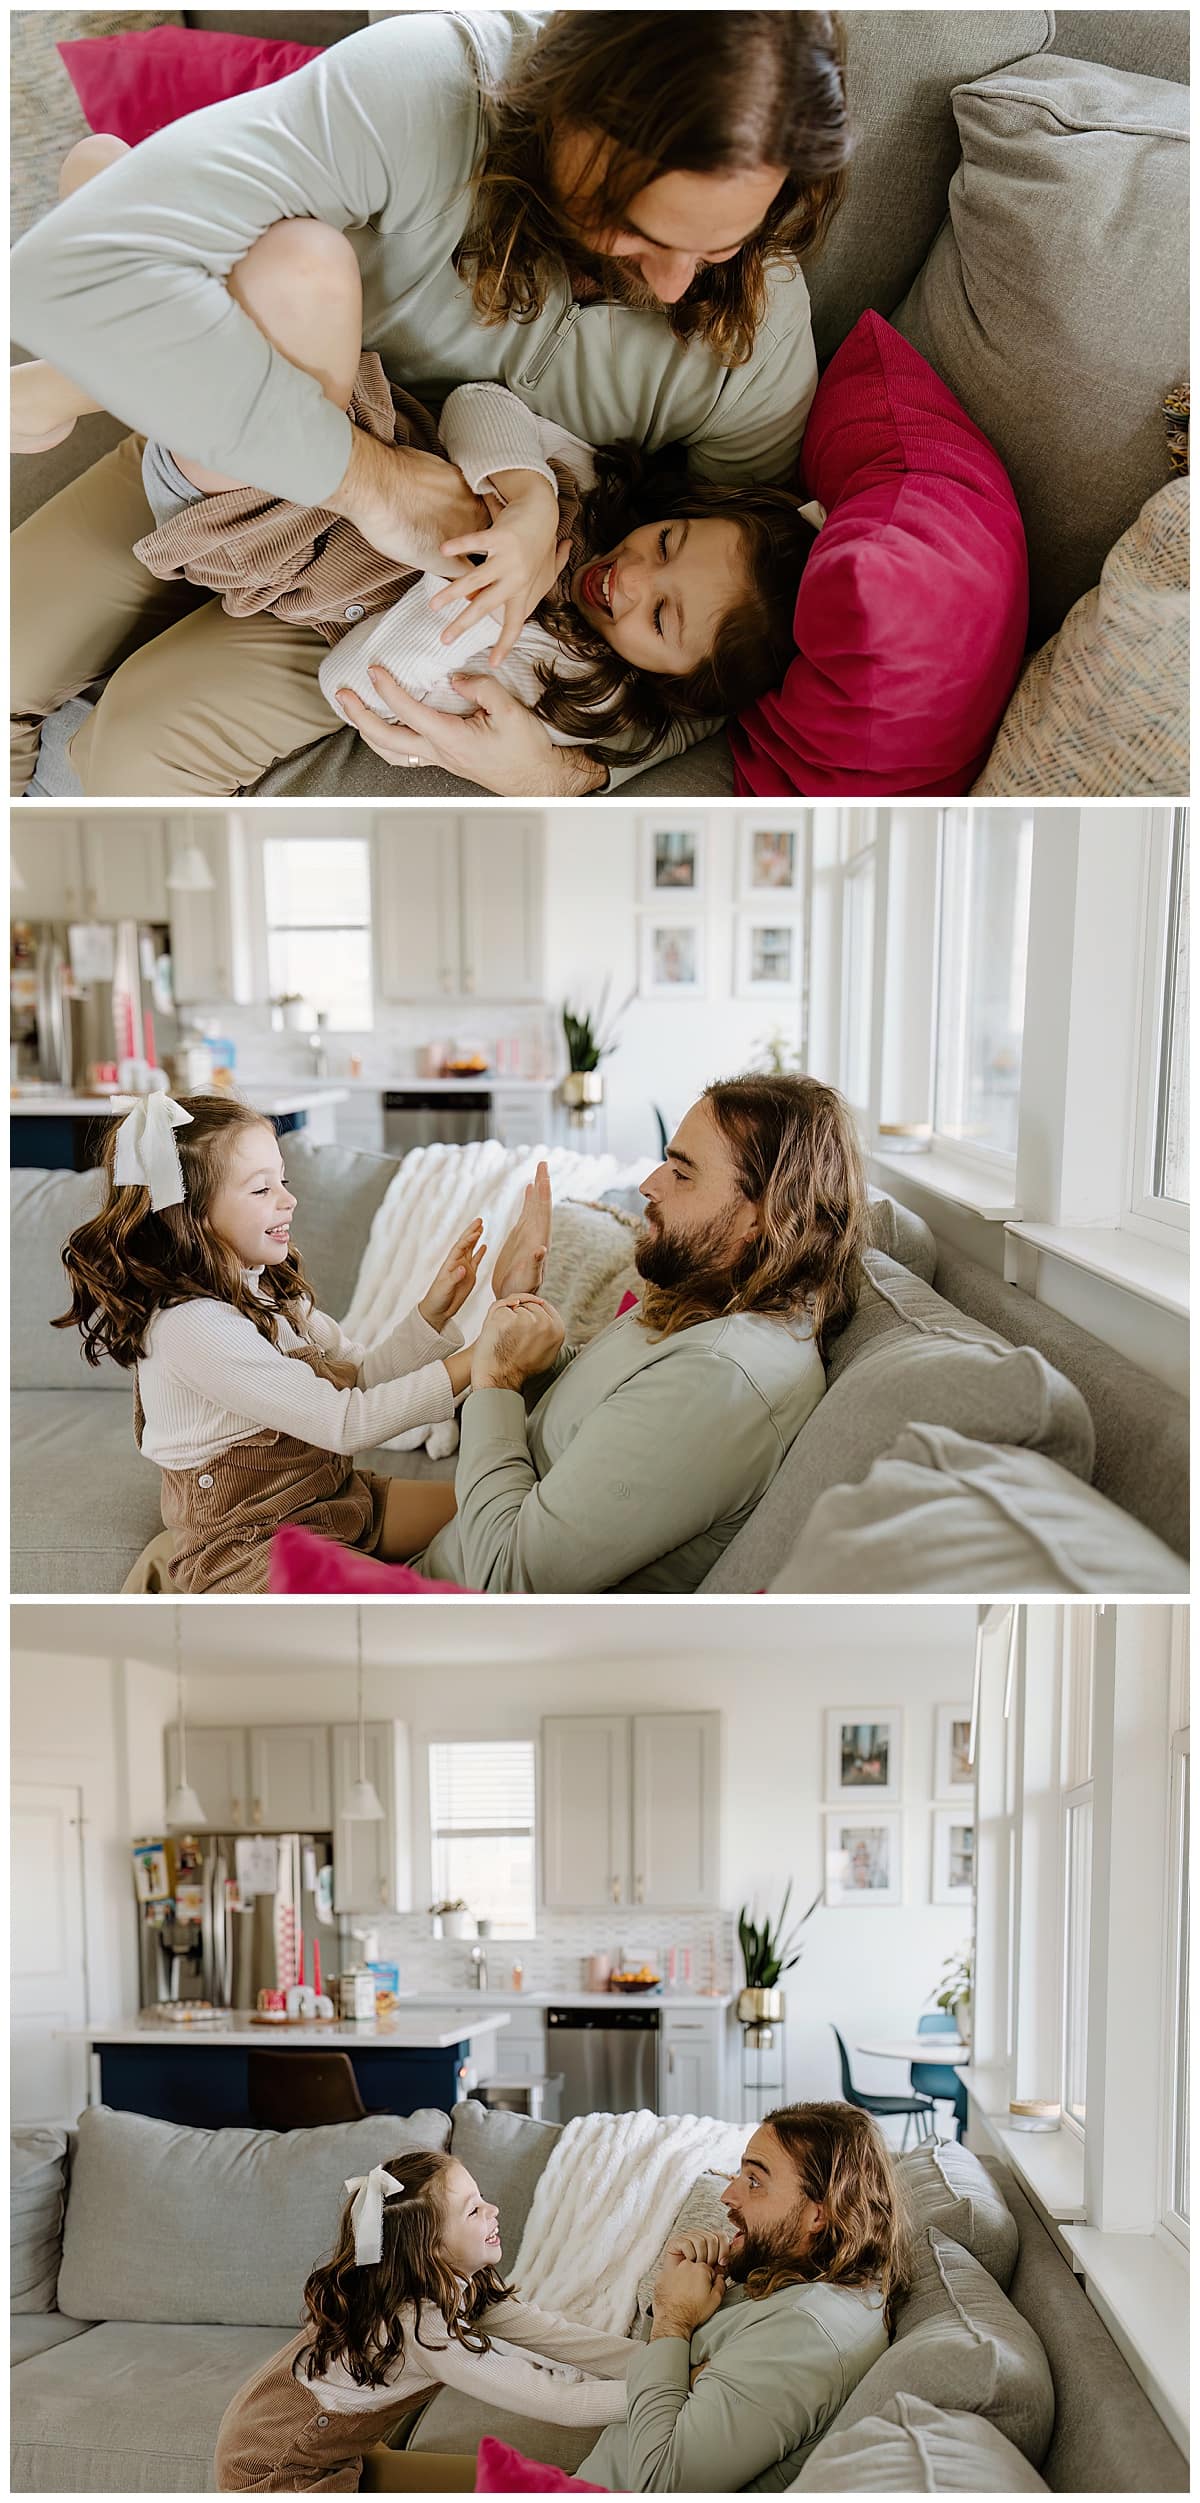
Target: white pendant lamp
[(364, 1804), (189, 873), (183, 1808)]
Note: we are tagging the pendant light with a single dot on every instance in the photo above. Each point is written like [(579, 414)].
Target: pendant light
[(189, 873), (364, 1804), (183, 1808)]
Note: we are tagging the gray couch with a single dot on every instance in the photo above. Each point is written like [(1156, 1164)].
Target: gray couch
[(1083, 459), (933, 1339), (155, 2268)]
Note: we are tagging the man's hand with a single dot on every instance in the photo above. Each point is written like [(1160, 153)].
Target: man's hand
[(500, 746), (518, 1340), (689, 2289), (406, 503), (455, 1278), (521, 1260), (523, 556)]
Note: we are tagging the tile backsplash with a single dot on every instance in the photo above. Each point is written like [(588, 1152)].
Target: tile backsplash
[(393, 1047), (557, 1958)]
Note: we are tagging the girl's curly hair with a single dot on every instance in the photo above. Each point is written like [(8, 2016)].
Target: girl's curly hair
[(355, 2313)]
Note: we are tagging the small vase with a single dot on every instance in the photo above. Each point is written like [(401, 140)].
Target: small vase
[(759, 2012), (582, 1091), (961, 2013)]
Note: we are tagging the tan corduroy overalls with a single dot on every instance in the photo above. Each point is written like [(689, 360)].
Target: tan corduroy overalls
[(276, 2438), (225, 1513)]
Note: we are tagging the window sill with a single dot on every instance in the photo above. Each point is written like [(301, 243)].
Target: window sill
[(1156, 1272), (1140, 2290), (966, 1185), (1047, 2163)]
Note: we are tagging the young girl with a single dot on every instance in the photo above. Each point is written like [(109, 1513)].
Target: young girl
[(652, 598), (250, 1400), (411, 2301)]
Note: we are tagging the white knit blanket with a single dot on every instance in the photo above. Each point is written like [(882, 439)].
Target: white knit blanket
[(434, 1194), (605, 2205)]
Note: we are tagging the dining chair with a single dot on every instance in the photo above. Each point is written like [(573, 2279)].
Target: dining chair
[(939, 2083), (916, 2109), (302, 2089)]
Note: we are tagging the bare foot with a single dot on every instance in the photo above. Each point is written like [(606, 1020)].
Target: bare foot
[(43, 407)]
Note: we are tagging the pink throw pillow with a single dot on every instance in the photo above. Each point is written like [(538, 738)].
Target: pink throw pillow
[(628, 1303), (300, 1561), (134, 84), (501, 2470), (914, 605)]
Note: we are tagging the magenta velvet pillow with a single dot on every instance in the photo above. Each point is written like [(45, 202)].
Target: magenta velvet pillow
[(300, 1561), (501, 2470), (914, 604), (133, 84)]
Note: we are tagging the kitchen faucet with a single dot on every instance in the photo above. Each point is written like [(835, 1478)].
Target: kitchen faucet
[(479, 1960)]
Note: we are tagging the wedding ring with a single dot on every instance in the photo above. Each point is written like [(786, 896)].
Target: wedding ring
[(412, 760)]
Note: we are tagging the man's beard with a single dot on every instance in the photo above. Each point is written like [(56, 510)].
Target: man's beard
[(601, 277), (783, 2248), (701, 1262)]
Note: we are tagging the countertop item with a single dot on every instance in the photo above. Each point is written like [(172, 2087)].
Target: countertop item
[(495, 1083), (542, 1999), (408, 2031)]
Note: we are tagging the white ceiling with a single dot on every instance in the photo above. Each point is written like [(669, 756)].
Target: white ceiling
[(226, 1637)]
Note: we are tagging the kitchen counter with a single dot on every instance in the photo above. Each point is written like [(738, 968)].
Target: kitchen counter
[(398, 2033), (59, 1132), (540, 2000), (404, 2063), (54, 1104), (490, 1082)]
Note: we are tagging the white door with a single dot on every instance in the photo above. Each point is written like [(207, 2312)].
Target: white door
[(676, 1810), (417, 904), (691, 2066), (502, 905), (48, 1976), (364, 1853), (585, 1812), (216, 1762), (289, 1779), (125, 866), (48, 877)]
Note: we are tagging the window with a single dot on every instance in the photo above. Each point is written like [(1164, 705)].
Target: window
[(858, 958), (1177, 2171), (318, 919), (482, 1832), (1077, 1830), (1161, 1179), (983, 929)]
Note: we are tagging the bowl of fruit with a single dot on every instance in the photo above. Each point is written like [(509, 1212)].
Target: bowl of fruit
[(632, 1983)]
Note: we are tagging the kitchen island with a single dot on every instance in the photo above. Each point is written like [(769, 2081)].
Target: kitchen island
[(199, 2075), (61, 1132)]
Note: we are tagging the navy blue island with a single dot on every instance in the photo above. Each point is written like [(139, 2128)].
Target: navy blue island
[(198, 2075)]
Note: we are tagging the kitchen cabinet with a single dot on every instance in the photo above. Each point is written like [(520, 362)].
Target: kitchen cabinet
[(519, 2050), (211, 932), (73, 868), (459, 899), (289, 1779), (692, 2062), (372, 1860), (585, 1811), (217, 1771), (631, 1811)]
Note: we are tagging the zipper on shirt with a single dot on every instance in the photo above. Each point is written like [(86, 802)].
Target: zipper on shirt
[(534, 373)]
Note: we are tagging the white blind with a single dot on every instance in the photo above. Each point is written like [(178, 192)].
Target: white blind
[(481, 1788)]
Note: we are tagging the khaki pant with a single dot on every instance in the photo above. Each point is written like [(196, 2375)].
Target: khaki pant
[(417, 2472), (199, 702)]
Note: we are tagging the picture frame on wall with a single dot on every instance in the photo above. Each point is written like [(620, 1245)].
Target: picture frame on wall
[(953, 1772), (952, 1878), (672, 954), (862, 1857), (768, 955), (862, 1754), (673, 845), (771, 855)]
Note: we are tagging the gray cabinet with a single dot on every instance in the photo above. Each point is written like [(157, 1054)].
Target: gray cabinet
[(73, 868), (372, 1860), (676, 1809), (459, 905), (289, 1778), (217, 1771), (211, 932), (692, 2062), (585, 1812), (631, 1811)]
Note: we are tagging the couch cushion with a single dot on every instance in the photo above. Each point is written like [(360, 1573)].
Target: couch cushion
[(34, 2333), (913, 2448), (1102, 709), (960, 2343), (507, 2153), (171, 2224), (901, 1236), (37, 2193), (1055, 299), (945, 2185), (84, 1502), (941, 1512), (130, 2409)]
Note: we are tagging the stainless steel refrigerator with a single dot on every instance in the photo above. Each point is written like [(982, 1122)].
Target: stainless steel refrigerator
[(87, 993), (222, 1916)]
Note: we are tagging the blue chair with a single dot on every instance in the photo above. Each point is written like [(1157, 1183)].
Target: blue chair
[(916, 2108), (939, 2083)]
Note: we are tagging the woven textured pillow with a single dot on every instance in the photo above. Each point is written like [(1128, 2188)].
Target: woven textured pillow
[(945, 2185), (911, 2447), (960, 2343), (1102, 710)]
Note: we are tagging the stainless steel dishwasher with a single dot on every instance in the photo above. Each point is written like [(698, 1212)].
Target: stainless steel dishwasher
[(607, 2058), (443, 1117)]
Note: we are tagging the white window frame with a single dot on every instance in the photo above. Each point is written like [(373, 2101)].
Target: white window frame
[(1081, 1795), (862, 858), (986, 1160), (1145, 1213), (424, 1831), (315, 827), (1171, 2225)]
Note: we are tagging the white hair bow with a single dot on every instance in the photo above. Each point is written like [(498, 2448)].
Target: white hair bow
[(813, 513), (368, 2192), (146, 1153)]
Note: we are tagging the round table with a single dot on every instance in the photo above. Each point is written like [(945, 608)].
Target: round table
[(931, 2050)]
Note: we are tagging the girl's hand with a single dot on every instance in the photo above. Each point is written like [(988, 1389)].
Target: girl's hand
[(521, 1262), (500, 746), (455, 1278), (523, 557), (518, 1339)]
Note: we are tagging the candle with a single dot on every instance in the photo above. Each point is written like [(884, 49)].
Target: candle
[(317, 1966), (300, 1956)]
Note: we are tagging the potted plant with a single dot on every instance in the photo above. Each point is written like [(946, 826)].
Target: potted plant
[(767, 1954), (582, 1089), (452, 1920), (954, 1991)]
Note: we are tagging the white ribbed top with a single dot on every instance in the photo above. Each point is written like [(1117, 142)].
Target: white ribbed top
[(208, 1379)]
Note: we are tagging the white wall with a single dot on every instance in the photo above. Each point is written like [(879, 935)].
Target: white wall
[(870, 1971)]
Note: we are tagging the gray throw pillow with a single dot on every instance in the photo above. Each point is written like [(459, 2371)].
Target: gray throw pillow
[(913, 2448), (37, 2192), (945, 2185), (169, 2224), (942, 1512), (959, 2343), (507, 2154), (1054, 301), (702, 2213)]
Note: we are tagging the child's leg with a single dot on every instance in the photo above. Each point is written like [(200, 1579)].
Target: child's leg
[(44, 404), (300, 285), (415, 1511)]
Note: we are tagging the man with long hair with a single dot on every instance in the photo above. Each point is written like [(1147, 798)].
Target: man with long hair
[(760, 2336), (607, 211), (631, 1465)]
